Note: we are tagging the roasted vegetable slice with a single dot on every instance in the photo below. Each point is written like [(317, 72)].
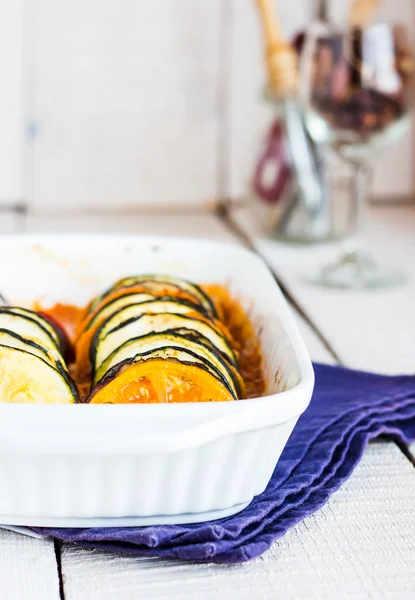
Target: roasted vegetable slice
[(28, 327), (187, 286), (158, 380), (97, 303), (181, 347), (43, 321), (111, 305), (27, 378), (127, 307), (170, 325), (106, 340), (13, 340), (119, 313), (24, 315), (166, 305), (65, 344), (164, 284), (175, 353)]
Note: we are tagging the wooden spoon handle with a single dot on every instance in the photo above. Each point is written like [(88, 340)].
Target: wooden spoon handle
[(270, 24), (281, 59), (362, 10)]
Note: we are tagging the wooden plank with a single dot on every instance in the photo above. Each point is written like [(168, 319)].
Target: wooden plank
[(360, 544), (125, 105), (27, 568)]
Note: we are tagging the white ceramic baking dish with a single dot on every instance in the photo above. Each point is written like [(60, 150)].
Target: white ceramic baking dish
[(97, 465)]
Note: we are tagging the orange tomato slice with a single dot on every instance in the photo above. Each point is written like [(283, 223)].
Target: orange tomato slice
[(161, 381)]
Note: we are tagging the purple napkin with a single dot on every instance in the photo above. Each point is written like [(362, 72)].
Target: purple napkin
[(348, 409)]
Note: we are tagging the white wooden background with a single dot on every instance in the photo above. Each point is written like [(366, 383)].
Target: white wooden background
[(111, 104)]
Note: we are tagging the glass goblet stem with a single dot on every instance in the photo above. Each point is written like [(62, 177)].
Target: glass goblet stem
[(358, 207), (355, 269)]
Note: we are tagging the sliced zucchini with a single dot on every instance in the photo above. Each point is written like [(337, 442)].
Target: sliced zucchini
[(165, 284), (144, 301), (28, 327), (13, 340), (27, 378), (43, 321), (152, 288), (86, 336), (191, 288), (170, 344), (114, 304), (165, 305), (160, 378), (107, 340)]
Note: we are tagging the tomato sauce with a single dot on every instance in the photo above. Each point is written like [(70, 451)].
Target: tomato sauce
[(66, 315), (247, 344)]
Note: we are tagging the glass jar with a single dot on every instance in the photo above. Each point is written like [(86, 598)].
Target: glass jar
[(291, 192)]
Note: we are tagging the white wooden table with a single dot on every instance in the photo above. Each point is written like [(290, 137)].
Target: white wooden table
[(361, 544)]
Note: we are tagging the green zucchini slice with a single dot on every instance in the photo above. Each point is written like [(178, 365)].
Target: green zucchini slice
[(107, 339), (156, 283), (26, 378), (43, 322), (115, 304), (30, 327), (170, 345), (160, 305), (13, 340), (127, 307)]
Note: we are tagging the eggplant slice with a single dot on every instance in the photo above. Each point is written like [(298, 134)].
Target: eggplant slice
[(27, 326), (122, 310), (114, 304), (171, 345), (159, 283), (27, 378), (106, 340), (43, 321), (156, 306), (13, 340)]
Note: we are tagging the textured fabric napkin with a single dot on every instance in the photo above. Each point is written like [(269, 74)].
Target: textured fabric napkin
[(348, 409)]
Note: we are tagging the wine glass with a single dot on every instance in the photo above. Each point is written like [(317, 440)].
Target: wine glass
[(357, 85)]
